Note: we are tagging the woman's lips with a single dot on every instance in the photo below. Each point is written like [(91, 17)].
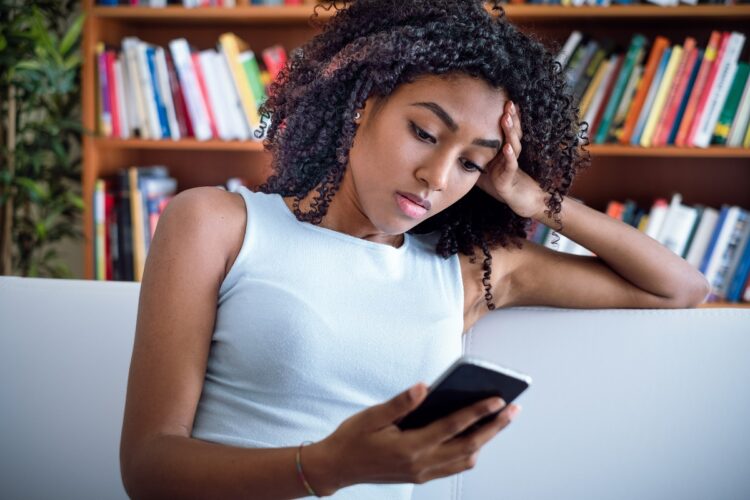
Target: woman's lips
[(409, 208)]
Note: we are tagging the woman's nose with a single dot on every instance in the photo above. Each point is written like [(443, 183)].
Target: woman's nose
[(435, 174)]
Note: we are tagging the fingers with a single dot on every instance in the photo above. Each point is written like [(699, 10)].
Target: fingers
[(455, 423), (387, 413), (510, 122), (471, 444)]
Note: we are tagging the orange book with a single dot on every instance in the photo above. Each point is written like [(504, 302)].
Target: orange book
[(614, 209), (675, 95), (652, 65), (698, 86)]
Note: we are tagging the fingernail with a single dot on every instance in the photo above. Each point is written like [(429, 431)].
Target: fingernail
[(513, 411), (509, 121), (414, 392), (512, 109), (497, 405), (509, 149)]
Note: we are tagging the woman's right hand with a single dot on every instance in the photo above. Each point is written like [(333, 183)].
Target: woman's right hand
[(369, 448)]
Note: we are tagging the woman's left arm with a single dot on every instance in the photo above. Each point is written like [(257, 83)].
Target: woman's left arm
[(630, 269)]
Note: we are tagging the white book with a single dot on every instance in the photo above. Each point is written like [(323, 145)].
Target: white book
[(147, 90), (729, 254), (722, 242), (702, 237), (678, 224), (166, 93), (571, 43), (121, 101), (129, 50), (189, 83), (656, 218), (596, 101), (740, 123), (216, 102), (236, 113), (719, 90)]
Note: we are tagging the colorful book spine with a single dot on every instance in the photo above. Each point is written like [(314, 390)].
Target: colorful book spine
[(685, 98), (636, 45), (652, 64), (726, 117), (651, 97), (679, 84), (665, 86), (709, 56)]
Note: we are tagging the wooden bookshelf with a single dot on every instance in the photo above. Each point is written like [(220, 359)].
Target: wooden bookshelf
[(710, 176)]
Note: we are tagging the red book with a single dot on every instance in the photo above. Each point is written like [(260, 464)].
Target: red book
[(700, 81), (110, 57), (110, 229), (607, 93), (274, 58), (180, 108), (204, 92), (676, 93), (710, 82)]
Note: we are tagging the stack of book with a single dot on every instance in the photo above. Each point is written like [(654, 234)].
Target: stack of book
[(716, 242), (155, 93), (668, 94), (127, 208)]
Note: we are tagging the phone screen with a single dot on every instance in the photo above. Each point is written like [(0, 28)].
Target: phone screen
[(464, 383)]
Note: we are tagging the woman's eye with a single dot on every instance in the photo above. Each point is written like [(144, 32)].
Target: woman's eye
[(471, 167), (421, 134)]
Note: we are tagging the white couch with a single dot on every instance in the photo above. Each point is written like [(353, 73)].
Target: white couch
[(625, 404)]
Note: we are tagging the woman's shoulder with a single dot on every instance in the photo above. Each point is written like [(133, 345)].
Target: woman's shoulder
[(210, 217)]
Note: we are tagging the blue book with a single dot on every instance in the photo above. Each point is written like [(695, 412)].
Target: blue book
[(650, 97), (685, 99), (161, 108), (740, 276), (714, 237)]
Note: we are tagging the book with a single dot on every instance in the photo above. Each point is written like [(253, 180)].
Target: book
[(631, 59), (211, 109), (700, 111), (574, 38), (596, 82), (607, 95), (726, 251), (656, 218), (196, 106), (597, 100), (702, 236), (726, 69), (618, 122), (741, 118), (165, 90), (677, 226), (741, 275), (674, 97), (159, 98), (675, 126), (231, 47), (651, 97), (652, 64), (709, 55), (665, 86), (731, 104)]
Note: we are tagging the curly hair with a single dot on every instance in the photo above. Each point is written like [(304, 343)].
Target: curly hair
[(370, 47)]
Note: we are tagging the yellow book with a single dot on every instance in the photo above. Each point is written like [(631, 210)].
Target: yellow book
[(231, 46), (746, 142), (591, 89), (665, 86), (643, 223), (100, 235), (136, 216)]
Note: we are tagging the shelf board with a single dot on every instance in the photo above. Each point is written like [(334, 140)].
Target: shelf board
[(717, 305), (615, 150), (181, 145), (301, 14), (606, 150)]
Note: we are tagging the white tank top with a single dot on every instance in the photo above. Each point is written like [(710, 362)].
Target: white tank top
[(313, 326)]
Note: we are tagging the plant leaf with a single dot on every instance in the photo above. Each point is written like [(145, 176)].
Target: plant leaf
[(72, 35)]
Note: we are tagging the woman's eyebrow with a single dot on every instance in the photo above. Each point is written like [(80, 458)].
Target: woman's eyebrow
[(453, 126)]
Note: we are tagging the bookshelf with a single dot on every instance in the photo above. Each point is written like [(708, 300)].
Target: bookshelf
[(710, 176)]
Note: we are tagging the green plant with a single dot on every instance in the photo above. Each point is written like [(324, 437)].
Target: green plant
[(40, 134)]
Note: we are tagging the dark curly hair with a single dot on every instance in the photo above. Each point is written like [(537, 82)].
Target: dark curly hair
[(370, 47)]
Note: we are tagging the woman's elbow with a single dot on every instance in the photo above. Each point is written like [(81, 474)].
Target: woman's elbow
[(694, 293)]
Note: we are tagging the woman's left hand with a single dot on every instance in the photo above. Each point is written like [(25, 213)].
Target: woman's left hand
[(503, 180)]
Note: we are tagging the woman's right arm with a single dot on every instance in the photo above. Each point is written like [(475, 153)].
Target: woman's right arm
[(197, 238)]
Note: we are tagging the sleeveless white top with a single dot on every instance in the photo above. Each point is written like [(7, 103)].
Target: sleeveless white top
[(313, 326)]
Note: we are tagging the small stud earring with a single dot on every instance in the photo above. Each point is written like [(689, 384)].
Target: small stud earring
[(357, 116)]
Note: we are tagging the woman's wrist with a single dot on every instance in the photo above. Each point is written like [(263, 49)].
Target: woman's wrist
[(320, 469)]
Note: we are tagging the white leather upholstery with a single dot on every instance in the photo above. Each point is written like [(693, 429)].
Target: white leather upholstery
[(624, 404)]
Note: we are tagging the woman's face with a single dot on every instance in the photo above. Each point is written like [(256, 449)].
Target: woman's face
[(422, 149)]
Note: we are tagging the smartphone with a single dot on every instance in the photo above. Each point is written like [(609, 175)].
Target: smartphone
[(465, 382)]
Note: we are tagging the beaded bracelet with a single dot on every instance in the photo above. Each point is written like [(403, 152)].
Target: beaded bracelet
[(301, 474)]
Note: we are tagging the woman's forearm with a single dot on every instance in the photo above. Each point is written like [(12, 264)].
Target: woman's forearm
[(636, 257), (181, 467)]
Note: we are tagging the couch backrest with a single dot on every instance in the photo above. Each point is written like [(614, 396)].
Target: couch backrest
[(625, 404)]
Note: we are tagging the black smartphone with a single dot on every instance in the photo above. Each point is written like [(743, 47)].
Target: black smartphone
[(465, 382)]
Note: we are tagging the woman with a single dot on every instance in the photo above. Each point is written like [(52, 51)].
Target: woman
[(408, 139)]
